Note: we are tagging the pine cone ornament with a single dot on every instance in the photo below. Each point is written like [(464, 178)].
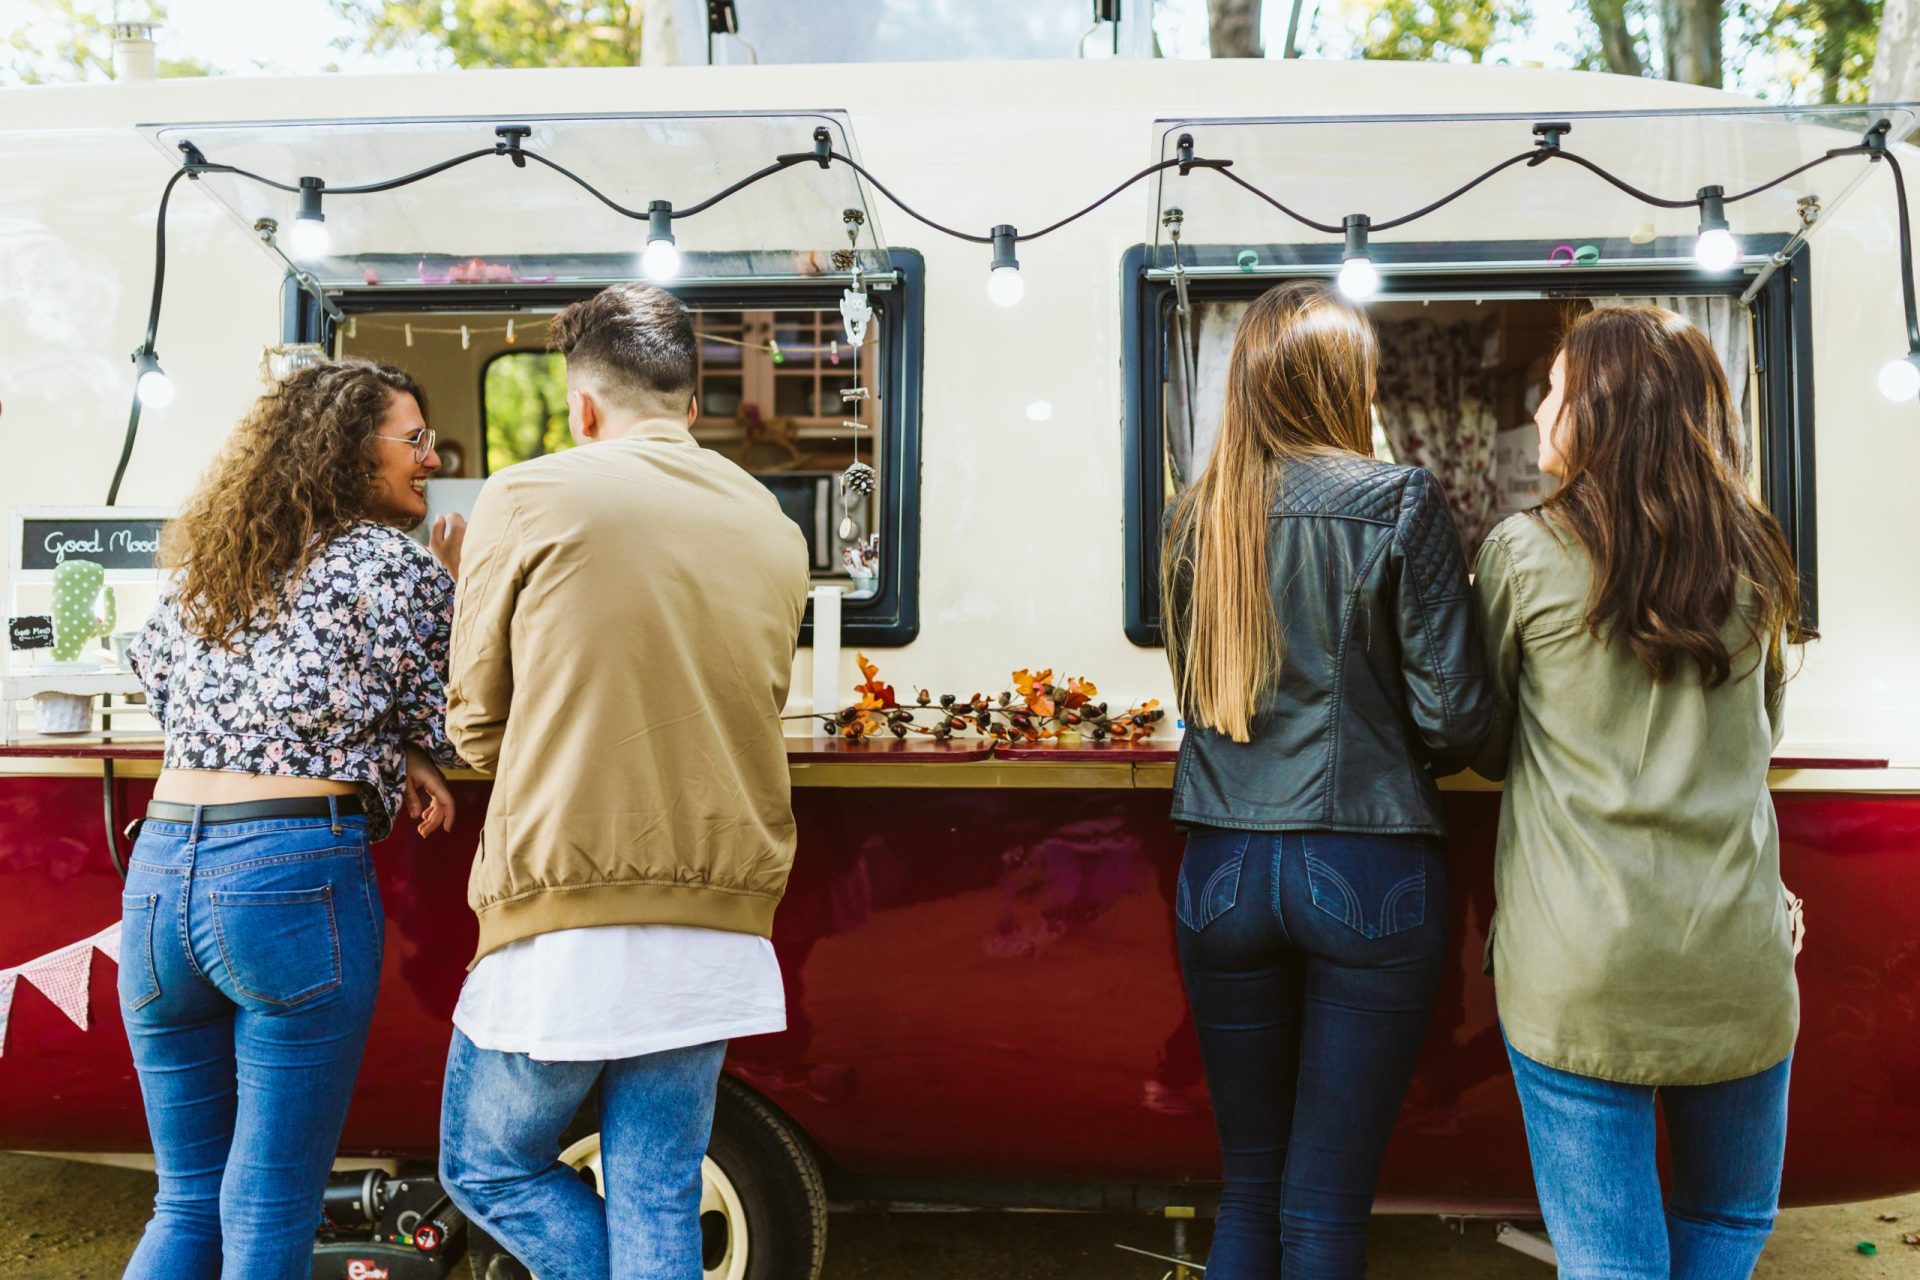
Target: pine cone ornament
[(857, 479)]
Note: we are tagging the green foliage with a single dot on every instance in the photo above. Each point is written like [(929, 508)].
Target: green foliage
[(1434, 30), (71, 41), (504, 33), (524, 397), (1822, 49), (1785, 50)]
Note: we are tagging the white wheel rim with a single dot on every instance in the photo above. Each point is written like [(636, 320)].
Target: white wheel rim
[(717, 1195)]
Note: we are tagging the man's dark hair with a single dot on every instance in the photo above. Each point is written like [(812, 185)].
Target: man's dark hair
[(635, 340)]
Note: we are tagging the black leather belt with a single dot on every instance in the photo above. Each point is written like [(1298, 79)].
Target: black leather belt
[(257, 810)]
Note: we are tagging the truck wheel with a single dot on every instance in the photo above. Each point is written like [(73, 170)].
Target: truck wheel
[(763, 1206)]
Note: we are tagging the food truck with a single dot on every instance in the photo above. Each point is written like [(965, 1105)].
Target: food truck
[(985, 1007)]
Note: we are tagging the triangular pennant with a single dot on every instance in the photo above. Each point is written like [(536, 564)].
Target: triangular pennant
[(107, 942), (7, 977), (62, 977)]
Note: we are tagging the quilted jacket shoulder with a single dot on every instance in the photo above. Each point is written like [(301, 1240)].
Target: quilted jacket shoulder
[(1382, 685)]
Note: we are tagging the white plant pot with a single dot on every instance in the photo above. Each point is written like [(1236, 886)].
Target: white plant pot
[(62, 713)]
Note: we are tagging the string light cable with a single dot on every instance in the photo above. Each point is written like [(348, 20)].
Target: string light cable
[(1715, 248)]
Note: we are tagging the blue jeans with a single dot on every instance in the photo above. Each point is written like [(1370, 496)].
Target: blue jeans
[(501, 1122), (249, 957), (1312, 961), (1592, 1143)]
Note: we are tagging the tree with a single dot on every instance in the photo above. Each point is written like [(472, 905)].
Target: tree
[(1896, 55), (1233, 28), (507, 33), (71, 41), (1435, 30), (525, 400)]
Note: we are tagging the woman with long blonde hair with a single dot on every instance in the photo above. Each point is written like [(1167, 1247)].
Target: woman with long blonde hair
[(1638, 622), (1329, 669), (297, 663)]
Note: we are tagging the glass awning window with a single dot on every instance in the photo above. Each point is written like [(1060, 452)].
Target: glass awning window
[(838, 31), (1386, 166), (488, 221)]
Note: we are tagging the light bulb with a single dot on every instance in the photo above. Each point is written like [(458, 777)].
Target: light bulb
[(309, 239), (1716, 249), (1005, 286), (661, 261), (1900, 379), (155, 388), (1359, 279), (1040, 411)]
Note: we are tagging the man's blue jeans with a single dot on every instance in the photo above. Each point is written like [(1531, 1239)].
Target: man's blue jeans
[(1592, 1143), (501, 1121), (249, 957), (1312, 960)]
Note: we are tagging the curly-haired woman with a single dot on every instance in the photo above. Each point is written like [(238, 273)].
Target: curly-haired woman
[(297, 664)]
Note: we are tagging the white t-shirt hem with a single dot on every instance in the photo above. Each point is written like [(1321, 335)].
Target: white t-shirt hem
[(637, 1047)]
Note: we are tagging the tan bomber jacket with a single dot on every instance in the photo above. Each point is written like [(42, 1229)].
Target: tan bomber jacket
[(624, 633)]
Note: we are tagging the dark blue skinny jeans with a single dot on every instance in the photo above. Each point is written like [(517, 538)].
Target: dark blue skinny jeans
[(1312, 961), (249, 956)]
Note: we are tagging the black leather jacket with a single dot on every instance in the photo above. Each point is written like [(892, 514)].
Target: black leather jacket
[(1383, 684)]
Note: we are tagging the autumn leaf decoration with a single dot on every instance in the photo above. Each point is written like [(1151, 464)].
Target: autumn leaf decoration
[(1034, 709)]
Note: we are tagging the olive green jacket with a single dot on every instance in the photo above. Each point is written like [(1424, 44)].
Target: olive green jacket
[(1640, 932)]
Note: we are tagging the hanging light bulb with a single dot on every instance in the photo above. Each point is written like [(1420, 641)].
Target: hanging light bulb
[(1900, 379), (1716, 249), (309, 238), (1004, 284), (661, 260), (1359, 279), (152, 385)]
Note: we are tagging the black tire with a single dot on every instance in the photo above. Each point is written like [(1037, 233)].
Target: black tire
[(778, 1181), (775, 1177)]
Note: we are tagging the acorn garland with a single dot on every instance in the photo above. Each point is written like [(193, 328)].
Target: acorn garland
[(1035, 709)]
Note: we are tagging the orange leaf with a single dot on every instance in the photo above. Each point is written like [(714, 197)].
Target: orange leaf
[(1041, 705), (1086, 688)]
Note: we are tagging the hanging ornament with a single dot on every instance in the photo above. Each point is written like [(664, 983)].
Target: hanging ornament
[(510, 338)]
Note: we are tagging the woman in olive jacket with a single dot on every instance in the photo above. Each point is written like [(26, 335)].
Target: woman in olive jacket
[(1329, 668), (1642, 942)]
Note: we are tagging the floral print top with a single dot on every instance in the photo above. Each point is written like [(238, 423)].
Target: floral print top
[(349, 670)]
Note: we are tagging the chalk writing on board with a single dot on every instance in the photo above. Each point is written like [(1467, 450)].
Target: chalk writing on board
[(112, 544)]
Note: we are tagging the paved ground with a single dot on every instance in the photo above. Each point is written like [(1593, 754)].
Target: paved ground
[(64, 1221)]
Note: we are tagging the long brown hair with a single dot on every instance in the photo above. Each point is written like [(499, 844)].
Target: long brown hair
[(1655, 489), (295, 474), (1300, 381)]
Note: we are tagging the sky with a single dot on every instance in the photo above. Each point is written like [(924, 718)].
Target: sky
[(307, 36)]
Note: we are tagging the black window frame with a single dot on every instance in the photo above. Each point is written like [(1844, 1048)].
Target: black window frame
[(890, 618), (1783, 358)]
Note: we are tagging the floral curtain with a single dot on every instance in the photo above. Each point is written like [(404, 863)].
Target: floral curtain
[(1435, 405)]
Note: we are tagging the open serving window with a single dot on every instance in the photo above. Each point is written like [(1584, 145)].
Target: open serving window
[(1472, 298), (456, 277)]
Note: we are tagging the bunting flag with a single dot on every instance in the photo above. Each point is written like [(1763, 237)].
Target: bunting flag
[(64, 976)]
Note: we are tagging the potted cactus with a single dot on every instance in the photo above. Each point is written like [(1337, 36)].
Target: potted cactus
[(83, 609)]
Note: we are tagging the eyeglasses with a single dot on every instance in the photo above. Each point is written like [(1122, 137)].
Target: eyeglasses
[(421, 440)]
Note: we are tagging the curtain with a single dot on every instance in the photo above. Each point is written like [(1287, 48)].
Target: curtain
[(1436, 407), (1728, 327), (1215, 323)]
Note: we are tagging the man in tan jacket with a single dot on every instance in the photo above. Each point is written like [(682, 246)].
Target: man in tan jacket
[(623, 638)]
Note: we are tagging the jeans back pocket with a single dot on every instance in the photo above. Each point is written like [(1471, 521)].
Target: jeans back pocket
[(279, 946), (139, 979), (1375, 885), (1210, 876)]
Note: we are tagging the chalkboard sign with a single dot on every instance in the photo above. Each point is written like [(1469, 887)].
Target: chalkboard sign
[(34, 632), (111, 542)]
